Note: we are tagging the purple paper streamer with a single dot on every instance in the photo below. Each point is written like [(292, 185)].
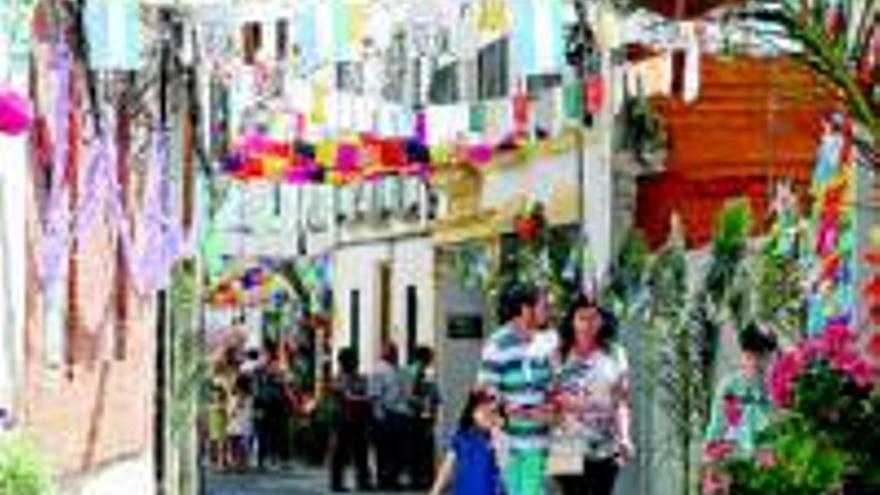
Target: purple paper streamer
[(100, 178), (164, 237), (56, 229)]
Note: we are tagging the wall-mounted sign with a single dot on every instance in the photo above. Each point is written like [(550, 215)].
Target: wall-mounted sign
[(465, 326)]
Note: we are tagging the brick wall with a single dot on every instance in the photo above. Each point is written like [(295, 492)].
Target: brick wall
[(96, 408)]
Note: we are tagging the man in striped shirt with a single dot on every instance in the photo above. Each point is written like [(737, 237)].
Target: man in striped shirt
[(519, 373)]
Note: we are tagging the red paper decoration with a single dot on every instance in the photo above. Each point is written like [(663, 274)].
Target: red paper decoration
[(594, 92)]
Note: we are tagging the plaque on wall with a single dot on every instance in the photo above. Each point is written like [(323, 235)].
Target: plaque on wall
[(465, 326)]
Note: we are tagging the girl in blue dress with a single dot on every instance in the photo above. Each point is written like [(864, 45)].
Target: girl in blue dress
[(471, 465)]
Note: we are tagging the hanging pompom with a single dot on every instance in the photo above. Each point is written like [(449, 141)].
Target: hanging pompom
[(16, 112)]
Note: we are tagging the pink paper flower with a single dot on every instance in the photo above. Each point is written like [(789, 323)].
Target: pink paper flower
[(765, 457), (715, 483), (854, 366)]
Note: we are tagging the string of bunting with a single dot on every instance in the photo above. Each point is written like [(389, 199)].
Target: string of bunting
[(437, 140), (832, 299)]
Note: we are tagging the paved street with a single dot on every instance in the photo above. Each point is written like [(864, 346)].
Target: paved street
[(300, 481)]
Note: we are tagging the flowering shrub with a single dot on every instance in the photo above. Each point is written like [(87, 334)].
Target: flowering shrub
[(838, 348), (824, 439)]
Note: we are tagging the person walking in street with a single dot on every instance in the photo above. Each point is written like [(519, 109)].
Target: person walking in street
[(424, 397), (521, 379), (350, 439), (390, 410), (471, 464), (241, 423), (271, 411), (592, 392)]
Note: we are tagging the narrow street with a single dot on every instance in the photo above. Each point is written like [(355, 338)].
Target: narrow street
[(300, 481)]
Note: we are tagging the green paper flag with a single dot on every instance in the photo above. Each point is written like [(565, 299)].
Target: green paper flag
[(574, 101), (477, 117)]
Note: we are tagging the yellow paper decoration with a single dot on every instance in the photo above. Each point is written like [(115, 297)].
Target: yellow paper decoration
[(359, 16), (319, 105), (325, 153), (275, 166), (494, 17)]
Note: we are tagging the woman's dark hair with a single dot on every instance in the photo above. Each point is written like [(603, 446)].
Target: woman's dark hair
[(513, 298), (607, 331), (475, 399), (753, 339)]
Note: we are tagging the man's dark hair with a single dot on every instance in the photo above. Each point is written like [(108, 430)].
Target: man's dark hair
[(514, 298), (348, 360), (423, 355)]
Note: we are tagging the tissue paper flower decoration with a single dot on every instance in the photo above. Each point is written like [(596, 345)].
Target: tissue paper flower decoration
[(16, 112)]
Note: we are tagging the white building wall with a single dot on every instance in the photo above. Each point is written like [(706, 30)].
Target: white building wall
[(357, 267), (13, 264), (13, 260), (413, 265)]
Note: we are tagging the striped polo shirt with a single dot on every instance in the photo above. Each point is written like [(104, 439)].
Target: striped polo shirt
[(521, 374)]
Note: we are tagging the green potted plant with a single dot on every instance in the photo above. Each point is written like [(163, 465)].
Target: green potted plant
[(23, 469)]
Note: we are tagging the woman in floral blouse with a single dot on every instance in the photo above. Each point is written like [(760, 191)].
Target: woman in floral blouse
[(592, 391)]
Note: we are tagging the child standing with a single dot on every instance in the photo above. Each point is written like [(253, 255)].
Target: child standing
[(471, 467), (217, 425), (742, 407)]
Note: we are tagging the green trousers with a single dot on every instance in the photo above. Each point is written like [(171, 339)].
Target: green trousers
[(526, 472)]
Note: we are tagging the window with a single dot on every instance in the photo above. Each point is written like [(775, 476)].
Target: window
[(540, 83), (276, 200), (350, 77), (391, 196), (385, 301), (355, 320), (493, 67), (282, 40), (252, 41), (412, 319), (219, 115), (443, 89)]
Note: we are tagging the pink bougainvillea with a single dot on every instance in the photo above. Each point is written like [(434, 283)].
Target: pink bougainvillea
[(716, 483), (783, 374), (839, 346), (718, 450)]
